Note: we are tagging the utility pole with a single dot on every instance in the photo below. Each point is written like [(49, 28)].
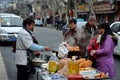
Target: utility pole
[(68, 16), (45, 2), (43, 9), (91, 6), (34, 9), (75, 9)]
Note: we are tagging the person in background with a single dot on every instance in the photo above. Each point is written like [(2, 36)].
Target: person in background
[(59, 25), (64, 20), (104, 55), (25, 42), (88, 31), (73, 37), (80, 36), (93, 45), (71, 14)]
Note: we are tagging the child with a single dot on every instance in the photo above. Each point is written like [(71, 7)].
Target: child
[(93, 45)]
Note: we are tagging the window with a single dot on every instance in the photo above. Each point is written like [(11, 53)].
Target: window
[(11, 21), (115, 27)]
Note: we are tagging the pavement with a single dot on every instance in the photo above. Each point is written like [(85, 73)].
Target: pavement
[(3, 73)]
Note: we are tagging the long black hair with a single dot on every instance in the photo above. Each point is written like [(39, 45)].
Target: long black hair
[(108, 31)]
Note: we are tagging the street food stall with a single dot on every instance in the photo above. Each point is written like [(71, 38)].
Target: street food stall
[(85, 73), (68, 69)]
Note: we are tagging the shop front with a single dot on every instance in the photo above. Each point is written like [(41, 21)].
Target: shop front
[(106, 16), (118, 9), (83, 11), (105, 12)]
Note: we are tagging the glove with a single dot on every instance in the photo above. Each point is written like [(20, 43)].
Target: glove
[(92, 52)]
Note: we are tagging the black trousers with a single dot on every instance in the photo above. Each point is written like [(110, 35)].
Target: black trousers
[(22, 72)]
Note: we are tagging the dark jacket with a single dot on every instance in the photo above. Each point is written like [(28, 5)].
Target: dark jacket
[(79, 37)]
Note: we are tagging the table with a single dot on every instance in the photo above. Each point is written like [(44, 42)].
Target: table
[(45, 75)]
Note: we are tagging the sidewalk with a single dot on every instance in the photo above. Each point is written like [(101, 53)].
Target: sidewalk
[(3, 74)]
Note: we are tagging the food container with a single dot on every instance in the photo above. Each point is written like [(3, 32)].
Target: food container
[(93, 75), (37, 62), (44, 66)]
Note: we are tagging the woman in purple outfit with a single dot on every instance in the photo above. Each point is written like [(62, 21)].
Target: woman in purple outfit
[(104, 55)]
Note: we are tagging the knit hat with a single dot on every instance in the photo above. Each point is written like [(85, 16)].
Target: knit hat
[(92, 16)]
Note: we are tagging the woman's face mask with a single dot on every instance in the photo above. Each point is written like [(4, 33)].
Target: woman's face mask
[(98, 38)]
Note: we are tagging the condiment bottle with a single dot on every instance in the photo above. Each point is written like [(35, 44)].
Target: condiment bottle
[(53, 64), (73, 66)]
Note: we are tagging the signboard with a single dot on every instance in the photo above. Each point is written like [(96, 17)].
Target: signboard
[(102, 7), (83, 7)]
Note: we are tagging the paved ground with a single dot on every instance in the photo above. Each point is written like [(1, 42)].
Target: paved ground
[(3, 74), (50, 26)]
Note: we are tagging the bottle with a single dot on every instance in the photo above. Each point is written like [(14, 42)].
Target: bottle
[(73, 67), (53, 64)]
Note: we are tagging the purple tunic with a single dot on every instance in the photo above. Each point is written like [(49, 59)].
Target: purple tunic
[(105, 61)]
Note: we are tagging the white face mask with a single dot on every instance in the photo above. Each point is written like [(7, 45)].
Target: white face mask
[(98, 39)]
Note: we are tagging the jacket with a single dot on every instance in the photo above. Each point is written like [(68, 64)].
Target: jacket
[(24, 41), (104, 57), (79, 37), (92, 46)]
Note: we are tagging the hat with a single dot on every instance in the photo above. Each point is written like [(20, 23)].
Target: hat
[(92, 16)]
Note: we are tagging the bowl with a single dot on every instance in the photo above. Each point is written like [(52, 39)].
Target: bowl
[(37, 62)]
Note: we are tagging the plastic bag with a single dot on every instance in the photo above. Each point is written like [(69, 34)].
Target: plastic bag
[(63, 51), (63, 66)]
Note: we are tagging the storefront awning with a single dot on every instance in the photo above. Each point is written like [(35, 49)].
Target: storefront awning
[(105, 12), (97, 12)]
